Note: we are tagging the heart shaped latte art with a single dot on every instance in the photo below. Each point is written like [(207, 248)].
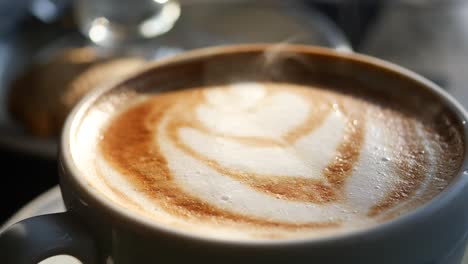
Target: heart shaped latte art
[(236, 132), (267, 155)]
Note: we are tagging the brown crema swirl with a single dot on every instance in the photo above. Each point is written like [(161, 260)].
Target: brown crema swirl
[(130, 144)]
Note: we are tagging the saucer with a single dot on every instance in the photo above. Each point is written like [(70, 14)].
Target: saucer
[(51, 202), (47, 203)]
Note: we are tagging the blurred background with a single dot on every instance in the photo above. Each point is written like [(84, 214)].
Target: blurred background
[(53, 51)]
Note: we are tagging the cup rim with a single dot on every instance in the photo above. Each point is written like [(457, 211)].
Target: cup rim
[(432, 206)]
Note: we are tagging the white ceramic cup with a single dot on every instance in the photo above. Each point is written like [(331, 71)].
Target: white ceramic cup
[(96, 230)]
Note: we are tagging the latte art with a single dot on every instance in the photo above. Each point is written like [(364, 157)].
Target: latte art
[(267, 160), (238, 136)]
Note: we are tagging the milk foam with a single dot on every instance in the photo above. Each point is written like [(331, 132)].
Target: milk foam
[(239, 135)]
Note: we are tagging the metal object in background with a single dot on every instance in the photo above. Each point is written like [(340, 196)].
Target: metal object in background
[(240, 22), (110, 22)]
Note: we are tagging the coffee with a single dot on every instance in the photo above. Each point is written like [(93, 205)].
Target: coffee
[(258, 159)]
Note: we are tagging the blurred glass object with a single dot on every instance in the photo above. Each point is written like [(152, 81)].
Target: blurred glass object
[(115, 22)]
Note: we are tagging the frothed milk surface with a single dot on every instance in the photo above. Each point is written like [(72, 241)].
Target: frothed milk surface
[(263, 160)]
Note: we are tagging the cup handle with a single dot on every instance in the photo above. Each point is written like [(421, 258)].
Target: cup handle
[(37, 238)]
